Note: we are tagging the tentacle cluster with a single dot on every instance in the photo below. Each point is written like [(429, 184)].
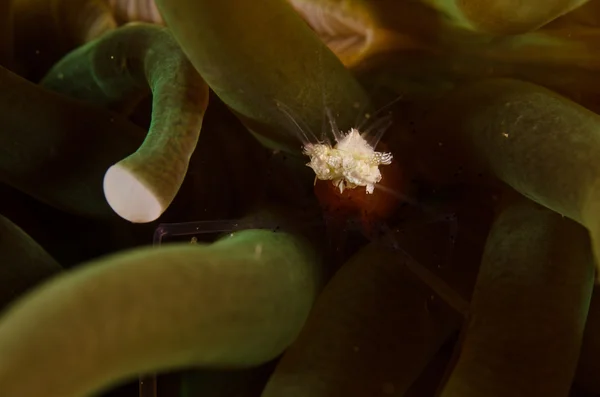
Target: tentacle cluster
[(497, 128)]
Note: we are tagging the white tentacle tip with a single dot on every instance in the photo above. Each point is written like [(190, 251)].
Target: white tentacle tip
[(129, 197)]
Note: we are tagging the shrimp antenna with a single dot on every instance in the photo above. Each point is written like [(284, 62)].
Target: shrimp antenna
[(437, 284), (304, 134), (360, 108), (379, 127), (402, 197), (327, 118), (337, 134), (379, 111), (324, 138)]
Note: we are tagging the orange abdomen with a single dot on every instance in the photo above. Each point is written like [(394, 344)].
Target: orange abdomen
[(356, 202)]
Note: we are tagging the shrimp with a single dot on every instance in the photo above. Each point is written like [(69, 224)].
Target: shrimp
[(359, 184), (351, 161)]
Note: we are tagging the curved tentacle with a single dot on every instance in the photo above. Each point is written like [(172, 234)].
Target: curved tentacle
[(74, 145), (235, 303), (352, 31), (120, 66), (226, 42), (24, 263), (136, 10), (45, 30), (541, 144), (504, 17), (373, 329), (528, 309)]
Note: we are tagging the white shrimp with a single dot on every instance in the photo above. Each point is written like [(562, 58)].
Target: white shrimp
[(352, 162)]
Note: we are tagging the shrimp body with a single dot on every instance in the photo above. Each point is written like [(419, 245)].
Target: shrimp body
[(352, 162)]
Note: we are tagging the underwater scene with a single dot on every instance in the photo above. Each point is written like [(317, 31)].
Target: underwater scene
[(299, 198)]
